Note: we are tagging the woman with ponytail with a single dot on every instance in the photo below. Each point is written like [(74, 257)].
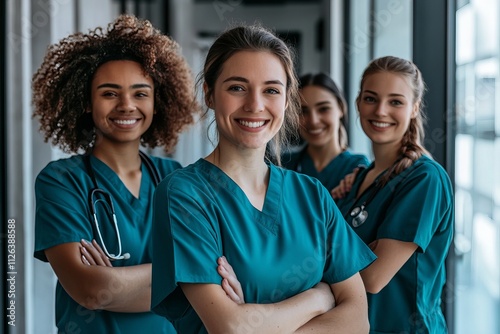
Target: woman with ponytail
[(323, 122), (401, 205)]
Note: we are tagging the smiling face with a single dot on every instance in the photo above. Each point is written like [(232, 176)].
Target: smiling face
[(122, 102), (386, 106), (320, 118), (249, 99)]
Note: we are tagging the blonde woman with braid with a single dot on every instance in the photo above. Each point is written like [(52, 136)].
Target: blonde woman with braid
[(401, 205)]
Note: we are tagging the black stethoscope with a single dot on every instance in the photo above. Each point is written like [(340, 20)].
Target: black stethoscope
[(97, 196), (358, 213)]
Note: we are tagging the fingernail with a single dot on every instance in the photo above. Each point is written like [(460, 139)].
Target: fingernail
[(86, 241)]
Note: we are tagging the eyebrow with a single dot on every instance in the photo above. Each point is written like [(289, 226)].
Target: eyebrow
[(134, 86), (321, 103), (374, 93), (241, 79)]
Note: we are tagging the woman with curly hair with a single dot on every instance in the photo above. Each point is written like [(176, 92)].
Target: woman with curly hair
[(101, 96)]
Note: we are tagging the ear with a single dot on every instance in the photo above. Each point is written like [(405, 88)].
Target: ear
[(416, 109), (208, 99)]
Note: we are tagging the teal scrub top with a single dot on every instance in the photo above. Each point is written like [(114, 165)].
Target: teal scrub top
[(62, 215), (332, 174), (415, 206), (297, 240)]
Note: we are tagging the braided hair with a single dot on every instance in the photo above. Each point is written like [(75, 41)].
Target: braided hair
[(411, 148)]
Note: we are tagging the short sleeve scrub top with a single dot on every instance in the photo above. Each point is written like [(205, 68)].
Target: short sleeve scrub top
[(298, 239), (415, 206), (62, 215)]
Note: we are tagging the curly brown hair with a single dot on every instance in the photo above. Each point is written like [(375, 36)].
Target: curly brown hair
[(61, 86)]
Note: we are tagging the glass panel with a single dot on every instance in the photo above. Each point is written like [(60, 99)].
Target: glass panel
[(477, 199)]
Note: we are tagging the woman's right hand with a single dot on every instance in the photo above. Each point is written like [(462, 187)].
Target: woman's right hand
[(345, 185), (230, 282), (93, 255)]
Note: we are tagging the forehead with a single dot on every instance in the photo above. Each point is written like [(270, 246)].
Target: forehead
[(314, 92), (120, 71), (257, 65), (388, 83)]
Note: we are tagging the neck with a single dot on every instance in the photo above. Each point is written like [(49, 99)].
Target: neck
[(121, 158), (323, 155), (385, 155), (246, 167)]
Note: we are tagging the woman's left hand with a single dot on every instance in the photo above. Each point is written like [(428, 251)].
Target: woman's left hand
[(230, 282)]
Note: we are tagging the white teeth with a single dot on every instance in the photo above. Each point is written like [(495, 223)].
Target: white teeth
[(125, 121), (252, 124), (315, 131), (380, 124)]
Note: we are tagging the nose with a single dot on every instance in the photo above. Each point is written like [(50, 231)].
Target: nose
[(380, 109), (254, 102), (312, 117), (125, 104)]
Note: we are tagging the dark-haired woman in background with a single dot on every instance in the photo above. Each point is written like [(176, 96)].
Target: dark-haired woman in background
[(323, 122)]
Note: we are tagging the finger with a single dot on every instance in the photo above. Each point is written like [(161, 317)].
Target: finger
[(85, 261), (93, 252), (230, 292), (227, 273), (88, 256), (226, 265), (105, 259)]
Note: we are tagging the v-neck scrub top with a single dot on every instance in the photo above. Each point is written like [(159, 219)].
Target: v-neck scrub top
[(62, 215), (297, 240), (415, 206), (332, 174)]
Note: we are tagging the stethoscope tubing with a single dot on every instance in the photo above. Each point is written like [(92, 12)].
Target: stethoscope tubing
[(109, 204)]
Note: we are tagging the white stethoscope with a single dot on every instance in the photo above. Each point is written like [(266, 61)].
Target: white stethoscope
[(99, 196)]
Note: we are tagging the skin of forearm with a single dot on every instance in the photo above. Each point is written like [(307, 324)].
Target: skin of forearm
[(222, 315), (282, 317), (341, 319), (118, 289)]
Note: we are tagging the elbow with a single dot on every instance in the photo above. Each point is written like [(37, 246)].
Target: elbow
[(373, 288), (372, 285)]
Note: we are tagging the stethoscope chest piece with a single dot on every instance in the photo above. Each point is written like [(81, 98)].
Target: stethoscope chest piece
[(359, 216)]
